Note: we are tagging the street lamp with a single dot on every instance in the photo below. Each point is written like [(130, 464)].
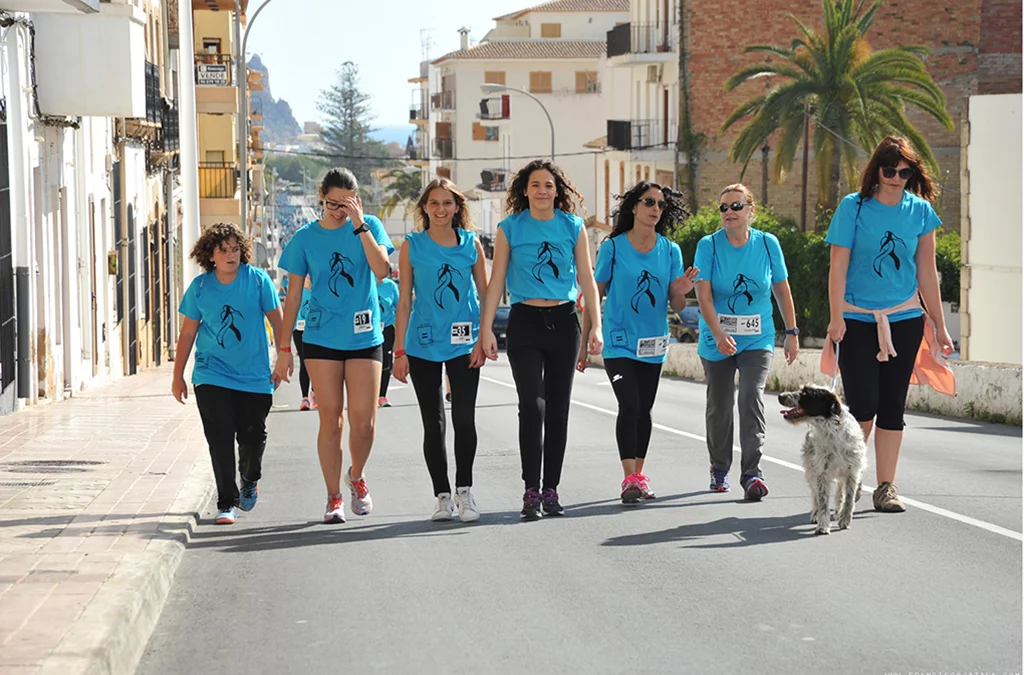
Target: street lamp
[(489, 88)]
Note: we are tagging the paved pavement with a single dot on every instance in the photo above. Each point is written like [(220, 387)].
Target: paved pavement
[(97, 496), (692, 583)]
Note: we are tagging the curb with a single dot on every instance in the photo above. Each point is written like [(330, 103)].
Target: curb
[(111, 635)]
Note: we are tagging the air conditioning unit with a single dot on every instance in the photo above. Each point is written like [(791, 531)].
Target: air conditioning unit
[(654, 73)]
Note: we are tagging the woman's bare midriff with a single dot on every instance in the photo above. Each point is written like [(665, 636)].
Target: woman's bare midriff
[(543, 302)]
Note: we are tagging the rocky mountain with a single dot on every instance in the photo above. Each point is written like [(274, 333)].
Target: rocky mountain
[(278, 121)]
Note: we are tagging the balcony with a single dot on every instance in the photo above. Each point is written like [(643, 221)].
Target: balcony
[(443, 100), (219, 6), (255, 113), (418, 114), (642, 43), (654, 135), (218, 180), (148, 127), (168, 139), (493, 180), (494, 109), (444, 148), (215, 91), (214, 70)]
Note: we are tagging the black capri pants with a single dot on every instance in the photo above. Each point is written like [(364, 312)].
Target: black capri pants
[(877, 390)]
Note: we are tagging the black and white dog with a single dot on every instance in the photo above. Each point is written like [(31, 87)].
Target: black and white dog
[(834, 449)]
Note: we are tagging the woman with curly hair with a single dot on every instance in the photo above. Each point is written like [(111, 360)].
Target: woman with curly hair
[(443, 274), (642, 270), (539, 250), (224, 309), (882, 267)]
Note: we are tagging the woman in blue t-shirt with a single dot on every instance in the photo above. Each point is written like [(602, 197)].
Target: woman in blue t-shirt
[(443, 274), (539, 250), (234, 385), (344, 253), (387, 294), (643, 272), (307, 403), (740, 270), (883, 256)]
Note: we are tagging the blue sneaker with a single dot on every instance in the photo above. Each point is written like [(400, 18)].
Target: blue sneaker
[(226, 517), (719, 480), (754, 488), (248, 495)]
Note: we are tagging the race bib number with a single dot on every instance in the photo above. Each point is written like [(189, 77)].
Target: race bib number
[(462, 333), (652, 346), (362, 322), (732, 324), (300, 324)]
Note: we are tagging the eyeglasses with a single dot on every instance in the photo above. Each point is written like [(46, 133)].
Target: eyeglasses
[(651, 201), (332, 206), (890, 171), (735, 206)]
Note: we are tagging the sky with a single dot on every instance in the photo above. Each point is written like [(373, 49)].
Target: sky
[(304, 42)]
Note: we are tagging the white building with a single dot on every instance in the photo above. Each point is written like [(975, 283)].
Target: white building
[(556, 52), (88, 157)]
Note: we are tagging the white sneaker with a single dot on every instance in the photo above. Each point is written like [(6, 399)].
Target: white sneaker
[(444, 510), (335, 509), (361, 503), (467, 505)]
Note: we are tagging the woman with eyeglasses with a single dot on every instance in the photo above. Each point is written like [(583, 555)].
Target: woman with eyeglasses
[(882, 266), (345, 253), (642, 270), (538, 251), (741, 268)]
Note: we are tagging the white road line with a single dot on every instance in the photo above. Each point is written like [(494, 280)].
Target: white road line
[(939, 511)]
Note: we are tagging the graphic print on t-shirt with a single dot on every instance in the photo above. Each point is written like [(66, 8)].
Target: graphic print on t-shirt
[(227, 326), (741, 289), (446, 282), (338, 263), (887, 249), (545, 258), (643, 289)]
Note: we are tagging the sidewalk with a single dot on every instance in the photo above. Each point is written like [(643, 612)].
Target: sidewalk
[(98, 496)]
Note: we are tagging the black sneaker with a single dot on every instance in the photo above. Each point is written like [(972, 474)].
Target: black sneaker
[(754, 488), (549, 502), (531, 504)]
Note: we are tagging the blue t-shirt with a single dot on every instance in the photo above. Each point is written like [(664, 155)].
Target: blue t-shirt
[(741, 286), (541, 262), (883, 243), (300, 320), (344, 312), (231, 345), (387, 296), (445, 319), (635, 324)]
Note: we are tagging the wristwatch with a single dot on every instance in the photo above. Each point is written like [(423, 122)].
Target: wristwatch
[(359, 230), (793, 331)]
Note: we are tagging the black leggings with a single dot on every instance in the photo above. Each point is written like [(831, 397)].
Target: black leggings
[(543, 344), (635, 384), (877, 390), (389, 348), (303, 373), (426, 381)]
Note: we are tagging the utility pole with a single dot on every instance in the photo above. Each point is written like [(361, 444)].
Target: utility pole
[(807, 140)]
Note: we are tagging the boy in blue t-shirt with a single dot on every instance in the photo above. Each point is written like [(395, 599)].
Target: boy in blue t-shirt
[(234, 387)]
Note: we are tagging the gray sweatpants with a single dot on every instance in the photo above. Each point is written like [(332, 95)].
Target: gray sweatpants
[(721, 395)]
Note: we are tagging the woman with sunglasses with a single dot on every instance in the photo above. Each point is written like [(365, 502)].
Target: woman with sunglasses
[(538, 250), (344, 253), (741, 268), (642, 270), (882, 260)]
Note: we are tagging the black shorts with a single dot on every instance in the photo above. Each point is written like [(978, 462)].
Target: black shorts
[(311, 351)]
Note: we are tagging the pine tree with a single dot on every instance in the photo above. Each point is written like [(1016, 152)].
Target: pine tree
[(347, 126)]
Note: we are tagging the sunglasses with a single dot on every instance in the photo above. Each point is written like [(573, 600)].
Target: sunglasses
[(651, 201), (890, 171), (735, 206), (332, 206)]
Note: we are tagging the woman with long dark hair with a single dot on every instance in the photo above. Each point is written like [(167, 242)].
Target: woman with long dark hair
[(642, 270), (539, 252), (882, 267)]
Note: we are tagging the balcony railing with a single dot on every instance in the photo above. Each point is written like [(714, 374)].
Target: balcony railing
[(154, 103), (444, 148), (496, 108), (169, 134), (256, 113), (655, 134), (443, 100), (217, 180), (618, 40), (213, 69), (642, 38), (418, 112), (494, 180)]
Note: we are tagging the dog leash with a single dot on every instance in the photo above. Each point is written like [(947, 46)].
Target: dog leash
[(835, 371)]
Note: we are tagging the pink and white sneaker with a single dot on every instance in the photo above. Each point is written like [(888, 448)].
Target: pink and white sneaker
[(645, 487), (361, 504), (631, 492)]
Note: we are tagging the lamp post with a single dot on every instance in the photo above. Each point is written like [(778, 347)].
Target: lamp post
[(488, 88)]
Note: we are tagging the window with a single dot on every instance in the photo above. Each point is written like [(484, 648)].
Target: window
[(444, 172), (492, 133), (482, 133), (215, 156), (494, 77), (586, 82), (551, 30), (540, 82)]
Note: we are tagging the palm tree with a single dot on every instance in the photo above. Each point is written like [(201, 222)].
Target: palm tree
[(404, 189), (855, 97)]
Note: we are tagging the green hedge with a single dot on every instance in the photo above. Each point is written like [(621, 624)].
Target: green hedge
[(807, 259)]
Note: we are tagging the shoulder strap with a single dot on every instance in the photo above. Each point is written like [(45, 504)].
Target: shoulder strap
[(611, 274)]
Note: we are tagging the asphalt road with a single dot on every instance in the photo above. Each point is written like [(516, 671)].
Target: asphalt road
[(692, 582)]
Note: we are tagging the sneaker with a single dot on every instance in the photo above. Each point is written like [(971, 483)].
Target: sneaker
[(887, 499), (631, 492), (754, 488), (468, 512), (645, 487), (362, 504), (305, 404), (249, 494), (312, 401), (383, 402), (549, 502), (335, 509), (531, 504), (444, 510), (227, 516), (719, 480)]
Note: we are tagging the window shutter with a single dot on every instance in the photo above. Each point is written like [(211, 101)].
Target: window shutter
[(540, 82), (479, 132), (551, 30), (494, 77)]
